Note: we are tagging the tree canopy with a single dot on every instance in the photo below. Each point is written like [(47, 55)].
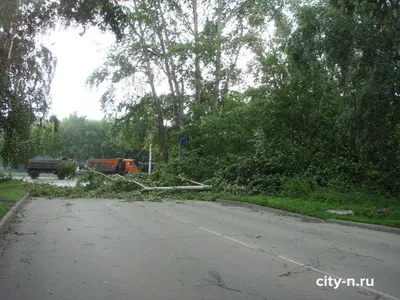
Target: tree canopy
[(27, 67)]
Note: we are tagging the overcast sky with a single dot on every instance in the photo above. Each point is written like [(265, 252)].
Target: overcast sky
[(77, 57)]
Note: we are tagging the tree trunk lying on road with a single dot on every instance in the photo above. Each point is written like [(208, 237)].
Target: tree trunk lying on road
[(199, 185), (171, 188)]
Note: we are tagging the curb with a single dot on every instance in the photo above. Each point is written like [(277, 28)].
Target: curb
[(365, 225), (312, 219), (8, 217), (270, 209)]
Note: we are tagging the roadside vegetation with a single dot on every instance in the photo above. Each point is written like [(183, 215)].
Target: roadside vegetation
[(364, 211), (310, 122), (11, 191), (366, 207)]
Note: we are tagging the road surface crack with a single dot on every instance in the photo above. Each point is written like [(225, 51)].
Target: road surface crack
[(21, 233), (217, 281), (315, 262), (26, 260), (351, 253), (293, 271)]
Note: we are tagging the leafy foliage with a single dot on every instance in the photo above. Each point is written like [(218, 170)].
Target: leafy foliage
[(67, 168), (5, 177), (94, 185), (26, 71), (27, 67), (77, 138)]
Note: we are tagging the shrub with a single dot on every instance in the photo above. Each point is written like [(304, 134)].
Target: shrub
[(298, 187), (5, 176), (67, 168), (268, 184)]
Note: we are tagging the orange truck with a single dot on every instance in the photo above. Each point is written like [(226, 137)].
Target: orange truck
[(119, 166)]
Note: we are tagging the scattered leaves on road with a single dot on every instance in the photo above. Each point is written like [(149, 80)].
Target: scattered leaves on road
[(20, 214)]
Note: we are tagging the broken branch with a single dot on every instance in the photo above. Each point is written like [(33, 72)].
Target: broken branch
[(192, 181), (138, 183)]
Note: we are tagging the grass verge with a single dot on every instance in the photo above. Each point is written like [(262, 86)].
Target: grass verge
[(11, 191), (4, 207), (364, 213)]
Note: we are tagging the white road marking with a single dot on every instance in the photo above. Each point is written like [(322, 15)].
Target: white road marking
[(239, 242), (180, 220), (282, 257), (309, 267), (216, 233)]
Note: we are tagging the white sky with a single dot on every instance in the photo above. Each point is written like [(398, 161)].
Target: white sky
[(77, 57)]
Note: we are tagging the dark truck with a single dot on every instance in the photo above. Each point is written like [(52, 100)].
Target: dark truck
[(37, 166)]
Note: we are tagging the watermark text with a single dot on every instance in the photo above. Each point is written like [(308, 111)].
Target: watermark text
[(328, 281)]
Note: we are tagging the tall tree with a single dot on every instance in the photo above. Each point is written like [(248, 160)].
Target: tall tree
[(27, 67), (218, 44), (197, 71), (136, 55), (26, 71), (150, 76)]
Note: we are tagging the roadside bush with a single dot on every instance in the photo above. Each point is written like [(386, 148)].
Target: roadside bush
[(222, 186), (298, 187), (268, 184), (67, 168), (5, 176), (191, 166), (240, 172)]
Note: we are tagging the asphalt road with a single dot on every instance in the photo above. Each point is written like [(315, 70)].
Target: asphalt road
[(106, 249)]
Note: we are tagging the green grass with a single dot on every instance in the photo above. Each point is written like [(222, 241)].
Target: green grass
[(363, 212), (4, 207), (11, 190)]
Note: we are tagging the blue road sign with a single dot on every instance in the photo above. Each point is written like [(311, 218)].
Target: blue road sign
[(182, 139)]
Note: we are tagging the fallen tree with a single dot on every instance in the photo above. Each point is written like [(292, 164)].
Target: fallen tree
[(198, 186), (131, 187)]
